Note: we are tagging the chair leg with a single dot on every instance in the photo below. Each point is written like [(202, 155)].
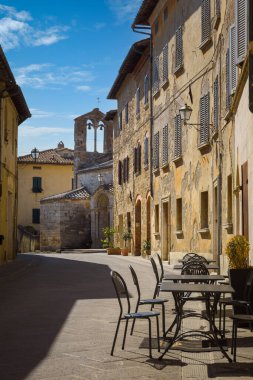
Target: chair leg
[(124, 339), (163, 319), (149, 337), (158, 337), (233, 337), (115, 337), (220, 320), (132, 328), (224, 321), (235, 341)]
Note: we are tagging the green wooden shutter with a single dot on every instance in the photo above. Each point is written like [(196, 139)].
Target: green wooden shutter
[(146, 151), (232, 59), (146, 88), (156, 151), (205, 20), (179, 48), (216, 103), (228, 98), (156, 79), (165, 145), (177, 137), (165, 63)]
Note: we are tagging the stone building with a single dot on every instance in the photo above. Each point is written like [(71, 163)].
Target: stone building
[(13, 112), (75, 219), (185, 199)]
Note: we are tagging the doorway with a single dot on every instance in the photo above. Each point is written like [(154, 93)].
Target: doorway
[(137, 247), (165, 230)]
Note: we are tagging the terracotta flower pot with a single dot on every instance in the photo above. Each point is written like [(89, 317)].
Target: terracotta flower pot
[(124, 251), (113, 251)]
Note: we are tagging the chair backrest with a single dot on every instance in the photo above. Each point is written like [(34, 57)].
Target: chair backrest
[(202, 259), (135, 280), (194, 267), (161, 266), (154, 266), (248, 290), (190, 256), (121, 290)]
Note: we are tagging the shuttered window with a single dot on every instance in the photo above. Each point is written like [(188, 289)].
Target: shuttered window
[(177, 137), (156, 151), (232, 60), (120, 121), (241, 25), (205, 21), (146, 88), (126, 113), (138, 98), (37, 185), (165, 63), (228, 98), (156, 77), (137, 159), (165, 145), (217, 8), (204, 119), (126, 169), (120, 173), (146, 151), (36, 215), (216, 103), (179, 48)]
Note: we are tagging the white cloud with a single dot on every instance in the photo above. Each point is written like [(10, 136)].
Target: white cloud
[(99, 25), (83, 88), (124, 10), (50, 76), (39, 114), (33, 131), (16, 28)]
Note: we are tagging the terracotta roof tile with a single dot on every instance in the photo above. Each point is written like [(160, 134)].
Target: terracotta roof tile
[(81, 193), (50, 156)]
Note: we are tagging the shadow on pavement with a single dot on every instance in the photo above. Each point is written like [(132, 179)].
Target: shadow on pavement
[(36, 301), (230, 370)]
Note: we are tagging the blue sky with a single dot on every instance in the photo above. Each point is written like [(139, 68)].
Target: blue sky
[(64, 54)]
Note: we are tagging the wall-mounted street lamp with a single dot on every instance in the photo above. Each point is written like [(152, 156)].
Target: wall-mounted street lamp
[(185, 115), (35, 154)]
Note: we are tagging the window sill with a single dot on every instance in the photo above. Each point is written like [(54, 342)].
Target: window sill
[(204, 231), (165, 165), (156, 94), (229, 227), (179, 232), (156, 170), (216, 21), (204, 147), (179, 70), (157, 235), (178, 160), (237, 190), (228, 115), (146, 106), (205, 44), (146, 167), (165, 84), (138, 116)]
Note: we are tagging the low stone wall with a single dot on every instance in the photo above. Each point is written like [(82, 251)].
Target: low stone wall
[(27, 242)]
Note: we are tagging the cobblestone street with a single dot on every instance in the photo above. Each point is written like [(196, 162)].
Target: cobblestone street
[(58, 318)]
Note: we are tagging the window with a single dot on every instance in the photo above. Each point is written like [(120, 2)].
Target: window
[(179, 48), (120, 121), (146, 152), (165, 145), (146, 88), (37, 185), (120, 173), (156, 26), (178, 137), (216, 103), (36, 215), (232, 62), (126, 113), (156, 151), (129, 221), (204, 120), (126, 169), (165, 14), (156, 77), (229, 199), (137, 159), (241, 25), (217, 8), (179, 214), (138, 101), (228, 97), (156, 218), (205, 21), (165, 63), (204, 209)]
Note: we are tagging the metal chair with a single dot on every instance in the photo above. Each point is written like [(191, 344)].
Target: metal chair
[(237, 319), (149, 301), (157, 277), (122, 293), (194, 267), (190, 256), (161, 267), (244, 303)]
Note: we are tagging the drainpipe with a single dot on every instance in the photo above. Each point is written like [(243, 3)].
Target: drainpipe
[(146, 30)]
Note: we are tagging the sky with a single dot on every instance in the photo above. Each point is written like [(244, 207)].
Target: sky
[(65, 55)]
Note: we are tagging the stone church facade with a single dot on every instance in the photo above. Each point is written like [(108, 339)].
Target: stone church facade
[(75, 219)]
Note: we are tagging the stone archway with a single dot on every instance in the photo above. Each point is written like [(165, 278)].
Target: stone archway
[(137, 240)]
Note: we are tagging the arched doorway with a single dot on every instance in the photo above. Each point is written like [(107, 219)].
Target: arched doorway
[(148, 219), (137, 248), (103, 217)]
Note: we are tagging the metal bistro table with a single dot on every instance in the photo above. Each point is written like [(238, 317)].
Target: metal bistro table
[(209, 266), (195, 278), (209, 261), (211, 294)]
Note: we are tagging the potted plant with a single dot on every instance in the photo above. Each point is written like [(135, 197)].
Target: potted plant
[(237, 251), (126, 236), (107, 242), (147, 247)]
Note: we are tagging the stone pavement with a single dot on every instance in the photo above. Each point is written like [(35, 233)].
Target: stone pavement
[(58, 317)]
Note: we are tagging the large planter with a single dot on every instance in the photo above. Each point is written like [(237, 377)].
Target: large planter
[(124, 251), (113, 251), (238, 278)]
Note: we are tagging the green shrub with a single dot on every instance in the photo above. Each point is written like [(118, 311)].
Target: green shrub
[(237, 251)]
